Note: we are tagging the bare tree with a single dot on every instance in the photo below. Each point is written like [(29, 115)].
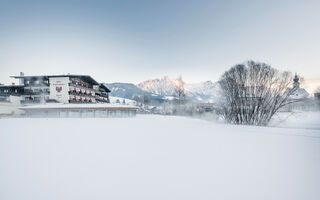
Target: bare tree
[(180, 92), (317, 96), (317, 90), (253, 92)]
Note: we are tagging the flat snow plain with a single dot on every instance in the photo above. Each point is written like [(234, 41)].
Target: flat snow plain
[(156, 157)]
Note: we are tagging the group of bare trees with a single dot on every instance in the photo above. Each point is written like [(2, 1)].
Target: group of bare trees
[(180, 92), (253, 92)]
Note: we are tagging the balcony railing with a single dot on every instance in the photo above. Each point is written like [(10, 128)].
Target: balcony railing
[(32, 92), (4, 99), (102, 95), (37, 85), (84, 94), (30, 101), (102, 100), (81, 87), (79, 101)]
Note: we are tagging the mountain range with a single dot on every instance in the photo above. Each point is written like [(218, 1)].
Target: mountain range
[(165, 89)]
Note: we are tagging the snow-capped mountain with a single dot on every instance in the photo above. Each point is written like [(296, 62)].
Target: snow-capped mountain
[(166, 86), (130, 91), (165, 89), (202, 92), (125, 90)]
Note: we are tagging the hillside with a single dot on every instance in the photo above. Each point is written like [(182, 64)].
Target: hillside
[(130, 91)]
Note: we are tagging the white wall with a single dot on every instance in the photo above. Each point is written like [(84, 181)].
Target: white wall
[(57, 83)]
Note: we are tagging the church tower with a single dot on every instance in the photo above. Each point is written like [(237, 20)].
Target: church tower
[(296, 83)]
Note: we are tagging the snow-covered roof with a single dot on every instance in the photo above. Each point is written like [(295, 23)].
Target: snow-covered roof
[(86, 78), (127, 101), (77, 106), (300, 93)]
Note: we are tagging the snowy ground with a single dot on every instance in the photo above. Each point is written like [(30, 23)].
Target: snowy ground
[(297, 119), (127, 101), (156, 157)]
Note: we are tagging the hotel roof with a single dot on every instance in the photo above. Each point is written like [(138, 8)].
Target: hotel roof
[(86, 78)]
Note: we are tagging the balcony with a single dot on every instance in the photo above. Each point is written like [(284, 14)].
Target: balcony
[(4, 99), (102, 95), (3, 94), (102, 100), (81, 86), (32, 92), (79, 101), (83, 94), (30, 101), (32, 84)]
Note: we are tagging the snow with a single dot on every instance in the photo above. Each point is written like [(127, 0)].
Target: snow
[(300, 93), (203, 88), (156, 157), (167, 86), (297, 119), (170, 97), (113, 100)]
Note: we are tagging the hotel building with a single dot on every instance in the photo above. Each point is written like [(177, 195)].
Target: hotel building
[(59, 88), (60, 95)]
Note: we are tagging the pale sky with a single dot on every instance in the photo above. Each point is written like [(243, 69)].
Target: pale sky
[(132, 41)]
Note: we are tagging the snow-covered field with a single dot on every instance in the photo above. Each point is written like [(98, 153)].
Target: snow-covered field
[(156, 157), (297, 119)]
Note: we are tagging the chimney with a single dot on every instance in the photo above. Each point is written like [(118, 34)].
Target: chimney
[(21, 80)]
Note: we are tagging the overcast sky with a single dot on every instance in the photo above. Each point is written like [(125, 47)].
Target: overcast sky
[(131, 41)]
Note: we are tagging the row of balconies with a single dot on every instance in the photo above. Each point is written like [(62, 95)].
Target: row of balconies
[(35, 101), (34, 84), (81, 86), (75, 93), (102, 95), (39, 92), (80, 100), (80, 93), (102, 100), (30, 100)]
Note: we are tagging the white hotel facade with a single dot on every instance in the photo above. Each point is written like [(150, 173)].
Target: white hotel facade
[(60, 96), (61, 88)]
